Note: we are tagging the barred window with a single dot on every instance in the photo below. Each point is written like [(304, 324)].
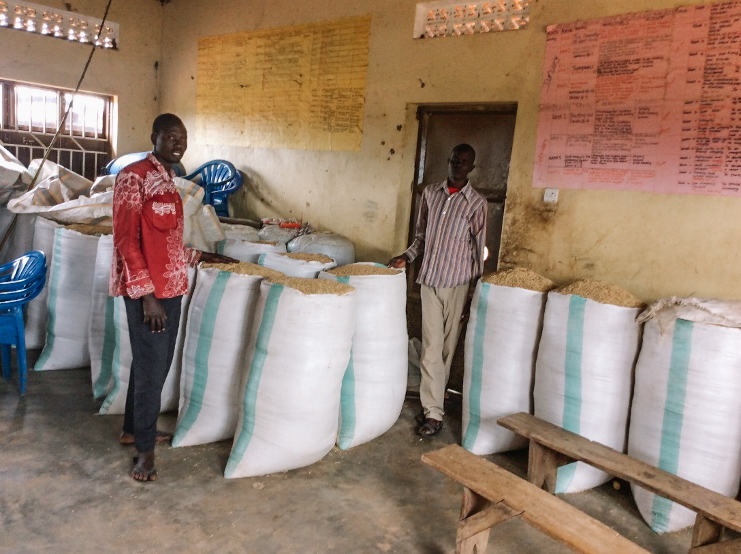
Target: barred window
[(31, 114)]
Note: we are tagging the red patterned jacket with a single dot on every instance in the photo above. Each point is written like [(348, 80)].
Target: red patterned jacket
[(148, 251)]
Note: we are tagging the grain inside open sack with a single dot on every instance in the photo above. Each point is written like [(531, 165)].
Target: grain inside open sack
[(246, 268), (521, 278), (305, 257), (602, 292), (92, 230), (314, 286), (351, 270)]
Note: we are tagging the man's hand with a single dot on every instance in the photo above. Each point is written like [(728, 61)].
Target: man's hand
[(211, 258), (154, 313), (398, 262)]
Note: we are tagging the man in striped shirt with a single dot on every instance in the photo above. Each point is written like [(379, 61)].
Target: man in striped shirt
[(450, 236)]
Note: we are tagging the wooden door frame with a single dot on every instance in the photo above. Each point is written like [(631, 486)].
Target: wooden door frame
[(424, 111)]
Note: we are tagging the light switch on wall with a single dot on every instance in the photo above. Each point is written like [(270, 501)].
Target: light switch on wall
[(550, 195)]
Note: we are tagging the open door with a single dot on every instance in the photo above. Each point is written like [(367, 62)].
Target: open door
[(489, 128)]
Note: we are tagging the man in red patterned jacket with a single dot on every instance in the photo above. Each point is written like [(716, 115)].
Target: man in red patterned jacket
[(150, 270)]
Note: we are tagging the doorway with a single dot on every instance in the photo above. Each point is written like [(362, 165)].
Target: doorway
[(489, 128)]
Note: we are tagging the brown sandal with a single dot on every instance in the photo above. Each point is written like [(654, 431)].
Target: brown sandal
[(429, 428)]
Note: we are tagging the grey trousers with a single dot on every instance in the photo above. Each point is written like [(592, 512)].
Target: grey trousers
[(441, 315), (152, 355)]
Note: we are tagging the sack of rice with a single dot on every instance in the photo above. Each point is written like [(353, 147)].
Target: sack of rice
[(247, 251), (241, 232), (499, 356), (375, 381), (276, 233), (297, 354), (115, 401), (69, 302), (220, 316), (584, 369), (102, 332), (37, 312), (686, 411), (297, 264), (337, 247)]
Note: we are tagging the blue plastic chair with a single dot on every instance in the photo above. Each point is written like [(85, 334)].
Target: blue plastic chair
[(114, 166), (219, 179), (20, 282)]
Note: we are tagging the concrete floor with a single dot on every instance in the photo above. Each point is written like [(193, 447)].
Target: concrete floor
[(64, 487)]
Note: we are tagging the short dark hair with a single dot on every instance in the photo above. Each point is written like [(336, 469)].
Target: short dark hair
[(467, 148), (165, 121)]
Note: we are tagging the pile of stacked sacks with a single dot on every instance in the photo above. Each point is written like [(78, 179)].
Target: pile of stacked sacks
[(290, 355), (580, 357)]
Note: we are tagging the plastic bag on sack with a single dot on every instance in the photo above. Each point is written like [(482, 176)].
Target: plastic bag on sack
[(583, 376), (290, 400), (247, 251), (499, 364), (294, 267), (115, 401), (276, 233), (69, 301), (374, 384), (686, 410), (337, 247), (220, 316)]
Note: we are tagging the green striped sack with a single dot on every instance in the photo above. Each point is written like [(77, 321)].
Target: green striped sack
[(584, 375), (297, 354), (220, 317), (102, 331)]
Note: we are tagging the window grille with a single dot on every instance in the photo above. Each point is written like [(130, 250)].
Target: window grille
[(31, 114), (447, 19)]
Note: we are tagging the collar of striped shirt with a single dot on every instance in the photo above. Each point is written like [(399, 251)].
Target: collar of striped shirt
[(467, 191)]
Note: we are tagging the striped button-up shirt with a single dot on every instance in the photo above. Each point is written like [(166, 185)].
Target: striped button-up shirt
[(450, 233)]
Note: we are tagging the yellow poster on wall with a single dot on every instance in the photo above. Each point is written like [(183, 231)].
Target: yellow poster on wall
[(299, 87)]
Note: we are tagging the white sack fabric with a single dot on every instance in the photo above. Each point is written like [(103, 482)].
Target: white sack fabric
[(69, 302), (220, 317), (102, 331), (298, 351), (247, 251), (686, 413), (337, 247), (292, 267), (375, 381), (583, 376), (10, 168), (37, 312), (276, 233), (115, 401), (499, 363)]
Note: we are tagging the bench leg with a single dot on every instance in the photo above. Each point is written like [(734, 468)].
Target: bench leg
[(478, 515), (542, 466), (705, 532)]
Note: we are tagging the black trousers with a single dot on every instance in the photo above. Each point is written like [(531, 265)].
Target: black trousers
[(152, 356)]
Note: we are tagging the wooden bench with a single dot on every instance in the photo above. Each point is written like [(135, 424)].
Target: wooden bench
[(551, 447), (493, 495)]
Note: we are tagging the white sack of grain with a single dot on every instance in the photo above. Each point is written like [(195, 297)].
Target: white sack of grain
[(220, 317), (583, 376), (276, 233), (69, 302), (499, 363), (375, 381), (293, 267), (37, 312), (247, 251), (337, 247), (686, 411), (102, 331), (115, 401), (297, 355), (241, 232)]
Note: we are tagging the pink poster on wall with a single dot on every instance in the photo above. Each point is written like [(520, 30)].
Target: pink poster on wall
[(644, 102)]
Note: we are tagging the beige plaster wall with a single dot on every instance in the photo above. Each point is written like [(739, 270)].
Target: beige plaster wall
[(127, 73), (654, 245)]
